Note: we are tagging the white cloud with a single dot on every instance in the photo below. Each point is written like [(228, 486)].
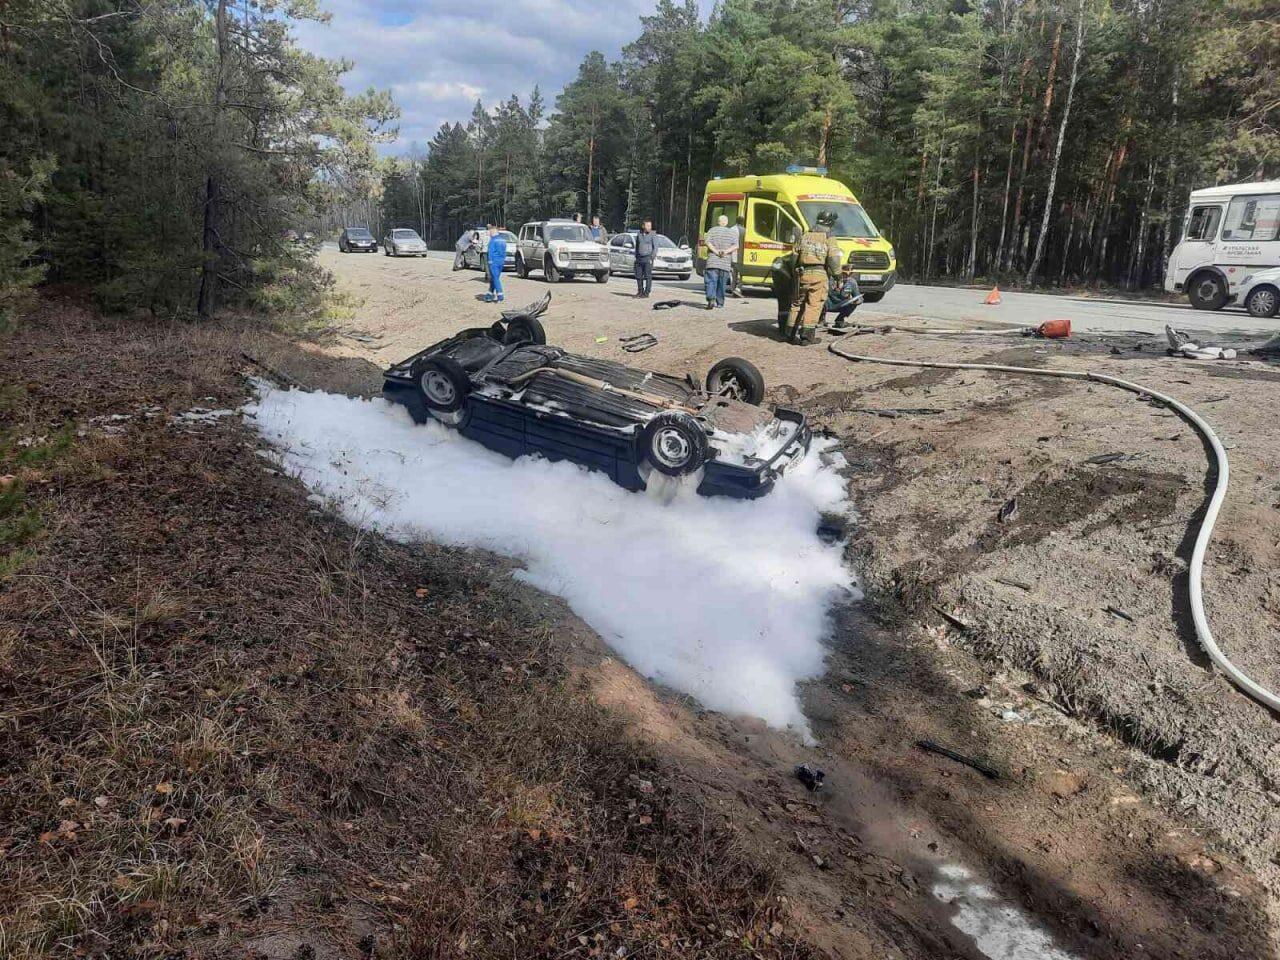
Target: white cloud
[(439, 56)]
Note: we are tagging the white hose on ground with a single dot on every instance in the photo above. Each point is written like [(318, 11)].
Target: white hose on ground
[(1196, 574)]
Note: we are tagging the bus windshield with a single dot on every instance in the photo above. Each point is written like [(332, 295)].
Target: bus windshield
[(851, 219)]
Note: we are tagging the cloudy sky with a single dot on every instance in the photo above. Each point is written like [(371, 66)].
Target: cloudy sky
[(438, 56)]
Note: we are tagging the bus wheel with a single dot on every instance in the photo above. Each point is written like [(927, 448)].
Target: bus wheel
[(1207, 291)]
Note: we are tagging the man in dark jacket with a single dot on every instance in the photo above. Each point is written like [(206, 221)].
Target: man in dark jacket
[(782, 277), (646, 250)]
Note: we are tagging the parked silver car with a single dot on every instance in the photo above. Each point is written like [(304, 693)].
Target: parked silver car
[(403, 242), (475, 254), (670, 261)]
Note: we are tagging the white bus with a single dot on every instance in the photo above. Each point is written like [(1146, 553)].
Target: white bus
[(1230, 232)]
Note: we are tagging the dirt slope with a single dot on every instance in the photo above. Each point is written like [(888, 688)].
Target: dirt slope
[(1141, 802)]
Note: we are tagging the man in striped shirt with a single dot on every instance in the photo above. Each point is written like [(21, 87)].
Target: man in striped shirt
[(722, 248)]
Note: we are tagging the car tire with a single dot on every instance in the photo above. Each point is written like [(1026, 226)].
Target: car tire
[(551, 271), (737, 379), (684, 276), (525, 330), (1207, 291), (1263, 301), (674, 444), (602, 276), (873, 297), (443, 384)]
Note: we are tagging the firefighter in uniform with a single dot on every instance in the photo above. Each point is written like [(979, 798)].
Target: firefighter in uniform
[(817, 264)]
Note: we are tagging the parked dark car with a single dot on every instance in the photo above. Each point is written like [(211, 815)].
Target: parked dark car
[(357, 240), (504, 387)]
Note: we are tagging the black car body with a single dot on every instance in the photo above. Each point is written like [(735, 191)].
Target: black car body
[(505, 388), (357, 240)]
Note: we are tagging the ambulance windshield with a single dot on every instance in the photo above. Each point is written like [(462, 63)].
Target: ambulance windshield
[(851, 219)]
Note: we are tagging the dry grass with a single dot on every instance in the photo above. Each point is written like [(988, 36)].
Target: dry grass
[(232, 724)]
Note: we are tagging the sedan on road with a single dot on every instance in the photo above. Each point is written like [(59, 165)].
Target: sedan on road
[(671, 260), (403, 242)]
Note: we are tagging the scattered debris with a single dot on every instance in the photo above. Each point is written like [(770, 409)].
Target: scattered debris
[(981, 766), (980, 692), (1008, 511), (953, 620), (1104, 458), (1116, 611), (810, 776), (639, 343), (1013, 583), (1182, 345), (892, 413)]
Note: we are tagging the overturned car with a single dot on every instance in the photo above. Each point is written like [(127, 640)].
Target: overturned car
[(504, 387)]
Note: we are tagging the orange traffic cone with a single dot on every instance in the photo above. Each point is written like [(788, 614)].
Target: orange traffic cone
[(993, 297)]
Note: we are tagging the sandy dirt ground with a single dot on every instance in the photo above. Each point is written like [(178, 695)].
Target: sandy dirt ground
[(1137, 811)]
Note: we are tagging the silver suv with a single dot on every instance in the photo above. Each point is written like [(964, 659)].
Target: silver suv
[(561, 249)]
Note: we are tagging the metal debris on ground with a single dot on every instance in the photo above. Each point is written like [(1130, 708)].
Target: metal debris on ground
[(981, 766), (638, 343), (810, 776), (1104, 458), (1182, 345), (892, 413), (1117, 612), (1008, 511)]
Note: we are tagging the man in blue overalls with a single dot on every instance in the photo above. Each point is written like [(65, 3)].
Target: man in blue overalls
[(495, 259)]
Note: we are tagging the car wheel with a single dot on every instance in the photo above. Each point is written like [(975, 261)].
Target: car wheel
[(551, 271), (1207, 291), (1262, 302), (684, 276), (525, 330), (442, 383), (737, 379), (674, 443), (602, 276), (873, 297)]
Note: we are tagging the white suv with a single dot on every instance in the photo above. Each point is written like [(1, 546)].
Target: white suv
[(561, 249)]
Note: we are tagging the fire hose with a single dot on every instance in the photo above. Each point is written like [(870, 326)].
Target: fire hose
[(1196, 572)]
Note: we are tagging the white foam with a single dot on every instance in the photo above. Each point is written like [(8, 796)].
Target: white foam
[(1001, 931), (722, 599)]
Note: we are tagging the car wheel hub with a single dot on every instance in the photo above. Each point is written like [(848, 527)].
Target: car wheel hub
[(672, 448), (728, 385), (1265, 301), (438, 388), (1207, 289)]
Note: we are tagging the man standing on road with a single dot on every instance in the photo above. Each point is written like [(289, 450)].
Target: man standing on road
[(735, 285), (597, 231), (722, 246), (817, 264), (646, 250), (496, 258)]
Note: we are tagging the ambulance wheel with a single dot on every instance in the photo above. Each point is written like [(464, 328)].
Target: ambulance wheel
[(1207, 291), (736, 379)]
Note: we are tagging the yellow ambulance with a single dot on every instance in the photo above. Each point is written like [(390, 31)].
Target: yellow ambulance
[(777, 208)]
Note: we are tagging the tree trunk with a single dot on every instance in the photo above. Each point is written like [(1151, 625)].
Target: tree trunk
[(207, 298), (971, 268), (1057, 152)]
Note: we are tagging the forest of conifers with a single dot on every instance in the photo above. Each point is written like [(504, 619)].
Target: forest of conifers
[(975, 133), (156, 152)]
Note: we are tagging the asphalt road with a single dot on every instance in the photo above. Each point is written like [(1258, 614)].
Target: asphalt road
[(963, 305)]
